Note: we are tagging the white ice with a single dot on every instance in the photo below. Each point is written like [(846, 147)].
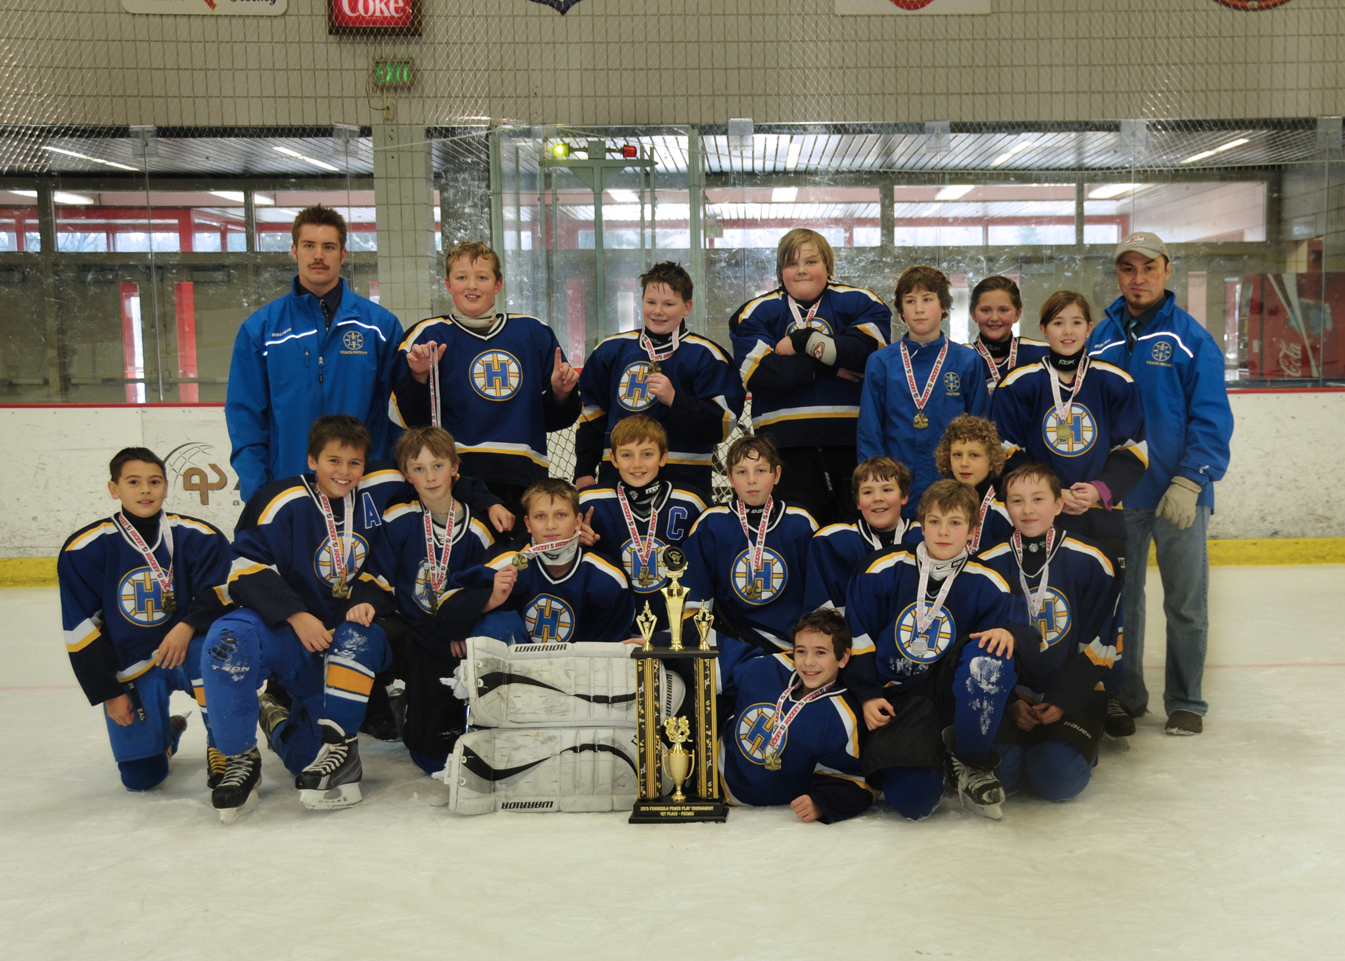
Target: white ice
[(1226, 845)]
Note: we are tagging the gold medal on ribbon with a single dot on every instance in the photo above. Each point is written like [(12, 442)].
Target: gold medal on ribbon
[(169, 603), (920, 421), (752, 591), (520, 562), (772, 761), (1063, 433)]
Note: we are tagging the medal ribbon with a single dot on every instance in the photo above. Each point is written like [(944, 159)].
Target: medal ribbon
[(165, 578), (799, 319), (338, 546), (924, 619), (534, 549), (435, 415), (994, 368), (754, 558), (782, 720), (1062, 409), (986, 501), (1034, 603), (643, 549), (922, 398), (439, 565), (655, 356)]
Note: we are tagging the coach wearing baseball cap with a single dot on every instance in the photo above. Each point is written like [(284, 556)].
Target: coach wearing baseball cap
[(1180, 372)]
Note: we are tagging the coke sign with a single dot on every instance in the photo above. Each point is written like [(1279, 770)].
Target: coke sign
[(401, 17)]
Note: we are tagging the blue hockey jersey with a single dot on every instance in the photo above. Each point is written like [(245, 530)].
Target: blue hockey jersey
[(819, 755), (1179, 371), (677, 511), (112, 605), (756, 608), (289, 368), (837, 550), (282, 556), (707, 402), (1105, 439), (496, 401), (1028, 351), (887, 412), (996, 527), (889, 651), (800, 401), (1077, 623)]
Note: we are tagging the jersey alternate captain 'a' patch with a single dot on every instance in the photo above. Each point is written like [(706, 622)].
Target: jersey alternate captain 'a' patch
[(923, 647), (1072, 437), (354, 559), (1053, 620), (753, 732), (632, 390), (768, 581), (142, 598), (496, 374), (549, 619)]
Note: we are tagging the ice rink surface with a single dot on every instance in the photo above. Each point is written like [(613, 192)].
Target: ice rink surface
[(1226, 845)]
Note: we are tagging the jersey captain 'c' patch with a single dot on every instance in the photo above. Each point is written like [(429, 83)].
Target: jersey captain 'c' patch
[(755, 725), (1078, 434), (928, 647), (141, 598), (354, 560), (549, 619), (632, 390), (496, 374), (1053, 620), (630, 560), (766, 584), (817, 323)]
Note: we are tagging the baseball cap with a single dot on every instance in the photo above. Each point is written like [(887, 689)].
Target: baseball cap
[(1150, 245)]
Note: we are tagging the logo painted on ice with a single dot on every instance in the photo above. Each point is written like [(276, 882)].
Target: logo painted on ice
[(754, 732), (141, 598), (769, 579), (1053, 620), (1082, 431), (548, 619), (496, 374), (353, 340), (632, 390), (1162, 352), (928, 647)]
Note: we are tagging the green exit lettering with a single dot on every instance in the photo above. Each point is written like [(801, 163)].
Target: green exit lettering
[(392, 73)]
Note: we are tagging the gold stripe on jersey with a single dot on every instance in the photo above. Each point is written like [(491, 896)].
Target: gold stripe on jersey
[(84, 633), (807, 413), (243, 566), (851, 724), (179, 521), (269, 512), (91, 535), (136, 670), (615, 572)]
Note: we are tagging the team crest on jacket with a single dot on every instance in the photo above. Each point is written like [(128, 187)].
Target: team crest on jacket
[(1162, 352), (928, 647), (352, 340), (548, 619), (1053, 620), (632, 390), (496, 374), (817, 323), (1082, 431), (755, 725), (322, 560), (141, 598), (769, 579), (952, 383), (630, 560)]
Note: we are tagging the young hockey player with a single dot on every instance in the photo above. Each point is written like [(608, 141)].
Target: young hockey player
[(137, 593), (747, 559), (914, 389), (935, 634), (497, 382), (561, 592), (880, 486), (801, 350), (306, 600), (795, 737), (427, 537), (996, 306), (1051, 727), (970, 452), (632, 521), (682, 380)]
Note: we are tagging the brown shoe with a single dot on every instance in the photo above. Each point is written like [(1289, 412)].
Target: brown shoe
[(1184, 723)]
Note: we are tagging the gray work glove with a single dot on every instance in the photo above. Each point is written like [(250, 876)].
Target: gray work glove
[(1179, 502)]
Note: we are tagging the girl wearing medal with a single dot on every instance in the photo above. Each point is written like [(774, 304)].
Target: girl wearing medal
[(996, 307), (970, 452), (795, 738), (914, 388)]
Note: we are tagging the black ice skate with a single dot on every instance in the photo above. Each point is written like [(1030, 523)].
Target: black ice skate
[(1118, 723), (333, 779), (977, 786), (270, 715), (236, 793)]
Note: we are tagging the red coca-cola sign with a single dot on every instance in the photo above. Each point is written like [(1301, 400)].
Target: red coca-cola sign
[(401, 17)]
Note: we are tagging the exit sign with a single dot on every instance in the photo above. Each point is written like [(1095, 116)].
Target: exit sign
[(393, 73)]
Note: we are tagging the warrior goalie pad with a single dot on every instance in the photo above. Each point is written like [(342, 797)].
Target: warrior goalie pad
[(554, 685), (543, 770)]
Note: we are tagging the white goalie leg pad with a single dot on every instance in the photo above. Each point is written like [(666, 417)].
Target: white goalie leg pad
[(554, 685), (543, 770)]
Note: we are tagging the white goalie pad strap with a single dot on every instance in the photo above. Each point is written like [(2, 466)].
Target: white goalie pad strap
[(554, 685), (543, 770)]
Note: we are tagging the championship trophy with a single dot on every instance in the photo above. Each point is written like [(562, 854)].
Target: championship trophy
[(688, 802)]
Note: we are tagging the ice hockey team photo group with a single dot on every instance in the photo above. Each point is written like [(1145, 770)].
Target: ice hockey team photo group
[(925, 579)]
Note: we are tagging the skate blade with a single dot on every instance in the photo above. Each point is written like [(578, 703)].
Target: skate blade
[(991, 811), (230, 815), (1122, 743), (342, 796)]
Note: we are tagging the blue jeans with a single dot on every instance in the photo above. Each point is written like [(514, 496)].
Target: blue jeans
[(1184, 566)]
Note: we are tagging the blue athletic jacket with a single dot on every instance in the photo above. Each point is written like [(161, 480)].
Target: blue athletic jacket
[(1179, 370), (288, 370)]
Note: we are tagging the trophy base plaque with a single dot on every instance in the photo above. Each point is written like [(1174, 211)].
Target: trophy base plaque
[(666, 810)]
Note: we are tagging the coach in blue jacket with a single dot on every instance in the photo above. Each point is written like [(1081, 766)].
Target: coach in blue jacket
[(1180, 372), (320, 349)]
